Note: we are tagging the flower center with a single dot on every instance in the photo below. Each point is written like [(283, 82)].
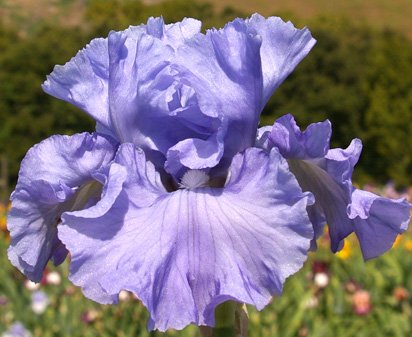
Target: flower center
[(194, 179)]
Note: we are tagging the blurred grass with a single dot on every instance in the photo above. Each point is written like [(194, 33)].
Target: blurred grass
[(306, 308)]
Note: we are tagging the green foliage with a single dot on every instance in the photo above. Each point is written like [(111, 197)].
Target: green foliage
[(388, 116), (104, 16)]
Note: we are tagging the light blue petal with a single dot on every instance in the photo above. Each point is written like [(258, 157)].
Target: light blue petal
[(377, 221), (180, 32), (84, 81), (340, 163), (169, 86), (181, 95), (66, 159), (293, 143), (174, 34), (136, 80), (317, 218), (283, 47), (55, 176), (262, 138), (32, 223), (152, 104), (331, 200), (306, 151), (185, 252), (224, 68), (191, 153), (333, 183)]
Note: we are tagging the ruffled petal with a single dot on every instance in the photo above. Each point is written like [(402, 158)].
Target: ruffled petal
[(66, 159), (283, 47), (136, 68), (378, 221), (180, 32), (293, 143), (306, 152), (262, 138), (185, 252), (84, 81), (169, 86), (32, 223), (191, 153), (151, 105), (175, 97), (55, 175), (174, 34), (223, 67), (340, 163)]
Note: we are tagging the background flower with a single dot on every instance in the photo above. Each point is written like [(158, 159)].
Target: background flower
[(39, 302), (17, 330)]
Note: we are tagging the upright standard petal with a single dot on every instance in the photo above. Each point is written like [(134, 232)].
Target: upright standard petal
[(283, 47), (327, 173), (55, 176), (183, 253), (223, 67), (84, 81), (149, 105), (195, 94), (174, 34), (190, 100)]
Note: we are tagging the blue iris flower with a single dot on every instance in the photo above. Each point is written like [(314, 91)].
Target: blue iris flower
[(177, 197)]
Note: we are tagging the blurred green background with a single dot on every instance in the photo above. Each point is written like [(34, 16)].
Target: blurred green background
[(359, 75)]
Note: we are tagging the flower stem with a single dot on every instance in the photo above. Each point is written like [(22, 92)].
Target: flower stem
[(231, 321)]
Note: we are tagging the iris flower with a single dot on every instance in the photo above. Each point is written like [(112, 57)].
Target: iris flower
[(173, 197)]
